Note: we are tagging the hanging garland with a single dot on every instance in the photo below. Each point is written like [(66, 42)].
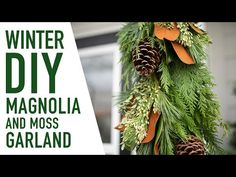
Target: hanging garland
[(167, 103)]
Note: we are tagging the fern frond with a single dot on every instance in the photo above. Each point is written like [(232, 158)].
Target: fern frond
[(166, 81)]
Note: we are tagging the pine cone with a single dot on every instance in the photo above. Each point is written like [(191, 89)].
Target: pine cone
[(193, 146), (146, 59)]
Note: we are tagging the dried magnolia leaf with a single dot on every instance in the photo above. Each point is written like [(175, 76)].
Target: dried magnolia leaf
[(196, 28), (170, 34), (151, 127), (156, 149), (120, 127), (158, 135), (182, 53)]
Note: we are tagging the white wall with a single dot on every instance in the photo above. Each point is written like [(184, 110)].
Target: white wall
[(222, 63)]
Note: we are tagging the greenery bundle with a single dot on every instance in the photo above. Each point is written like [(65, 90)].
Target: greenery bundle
[(167, 97)]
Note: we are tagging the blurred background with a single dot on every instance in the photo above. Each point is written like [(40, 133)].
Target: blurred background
[(99, 54)]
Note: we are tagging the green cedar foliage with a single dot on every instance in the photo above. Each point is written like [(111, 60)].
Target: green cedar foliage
[(182, 93)]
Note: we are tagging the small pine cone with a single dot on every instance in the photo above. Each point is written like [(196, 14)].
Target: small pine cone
[(146, 59), (193, 146)]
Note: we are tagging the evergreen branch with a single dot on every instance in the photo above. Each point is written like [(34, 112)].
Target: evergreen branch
[(145, 149), (166, 145), (166, 81), (198, 49), (182, 93), (172, 123), (128, 38)]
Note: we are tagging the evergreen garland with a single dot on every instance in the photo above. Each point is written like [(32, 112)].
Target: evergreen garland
[(181, 93)]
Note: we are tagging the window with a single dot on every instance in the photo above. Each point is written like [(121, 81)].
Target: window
[(102, 72)]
